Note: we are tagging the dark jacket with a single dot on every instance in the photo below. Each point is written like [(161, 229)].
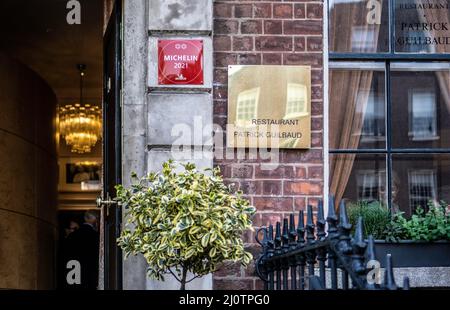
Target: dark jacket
[(83, 245)]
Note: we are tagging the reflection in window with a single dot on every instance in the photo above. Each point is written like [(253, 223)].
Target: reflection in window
[(422, 187), (422, 119), (296, 105), (247, 104), (369, 185), (373, 126), (358, 26), (363, 39)]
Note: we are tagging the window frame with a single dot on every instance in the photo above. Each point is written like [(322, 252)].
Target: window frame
[(386, 59)]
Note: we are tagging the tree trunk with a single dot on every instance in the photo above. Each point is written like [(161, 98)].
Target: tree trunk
[(183, 280)]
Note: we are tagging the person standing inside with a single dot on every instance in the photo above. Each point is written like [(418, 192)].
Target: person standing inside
[(84, 247)]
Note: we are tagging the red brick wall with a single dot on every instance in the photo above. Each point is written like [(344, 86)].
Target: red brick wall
[(272, 33)]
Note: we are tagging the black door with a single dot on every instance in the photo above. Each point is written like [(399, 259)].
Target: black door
[(112, 215)]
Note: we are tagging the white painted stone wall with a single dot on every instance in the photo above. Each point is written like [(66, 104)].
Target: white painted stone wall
[(150, 111)]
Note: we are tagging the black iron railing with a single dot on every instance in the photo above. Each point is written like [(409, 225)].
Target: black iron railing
[(315, 258)]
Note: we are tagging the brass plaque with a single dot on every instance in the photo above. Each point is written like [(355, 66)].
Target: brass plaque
[(269, 107)]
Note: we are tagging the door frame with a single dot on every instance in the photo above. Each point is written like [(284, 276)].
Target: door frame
[(114, 28)]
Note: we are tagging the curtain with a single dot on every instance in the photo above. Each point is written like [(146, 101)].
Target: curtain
[(349, 90)]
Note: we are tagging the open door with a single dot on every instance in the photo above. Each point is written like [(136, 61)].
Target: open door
[(111, 256)]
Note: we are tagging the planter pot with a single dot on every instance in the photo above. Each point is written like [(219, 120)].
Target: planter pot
[(408, 253)]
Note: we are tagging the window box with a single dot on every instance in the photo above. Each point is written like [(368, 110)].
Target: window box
[(409, 253)]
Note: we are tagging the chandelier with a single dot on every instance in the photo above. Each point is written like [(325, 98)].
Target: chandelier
[(80, 124)]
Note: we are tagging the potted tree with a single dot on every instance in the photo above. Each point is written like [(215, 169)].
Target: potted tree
[(183, 222), (419, 241)]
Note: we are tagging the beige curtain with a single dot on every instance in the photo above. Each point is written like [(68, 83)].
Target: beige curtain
[(349, 90)]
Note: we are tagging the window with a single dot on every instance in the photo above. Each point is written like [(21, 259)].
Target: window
[(373, 125), (247, 104), (422, 115), (296, 101), (389, 102), (422, 187), (370, 184)]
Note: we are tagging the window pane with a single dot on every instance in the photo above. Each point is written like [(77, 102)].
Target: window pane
[(419, 179), (358, 178), (420, 105), (357, 106), (359, 26), (422, 27)]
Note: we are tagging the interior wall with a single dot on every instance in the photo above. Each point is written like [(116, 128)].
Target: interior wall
[(28, 178)]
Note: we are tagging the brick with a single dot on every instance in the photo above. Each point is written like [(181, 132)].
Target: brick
[(273, 203), (316, 92), (316, 139), (315, 172), (294, 156), (317, 123), (272, 188), (300, 172), (314, 10), (271, 218), (222, 43), (226, 26), (306, 27), (271, 59), (251, 26), (221, 76), (243, 43), (220, 92), (233, 284), (299, 203), (273, 43), (302, 188), (316, 76), (249, 59), (274, 172), (262, 10), (299, 10), (228, 268), (314, 44), (250, 187), (242, 171), (316, 108), (314, 60), (273, 27), (243, 10), (224, 59), (223, 10), (299, 43), (282, 10)]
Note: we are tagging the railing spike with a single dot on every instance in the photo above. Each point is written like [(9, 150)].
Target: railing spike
[(309, 216), (370, 249), (292, 232), (359, 233), (343, 217), (320, 223), (278, 238), (331, 208), (389, 280), (332, 219), (301, 227), (285, 235), (406, 285), (310, 226)]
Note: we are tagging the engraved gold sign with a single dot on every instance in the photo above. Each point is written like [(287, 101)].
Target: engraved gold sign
[(269, 107)]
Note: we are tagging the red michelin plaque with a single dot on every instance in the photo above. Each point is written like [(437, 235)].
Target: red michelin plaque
[(180, 62)]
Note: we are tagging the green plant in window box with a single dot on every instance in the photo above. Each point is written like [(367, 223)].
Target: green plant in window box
[(183, 222), (375, 214), (430, 225)]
